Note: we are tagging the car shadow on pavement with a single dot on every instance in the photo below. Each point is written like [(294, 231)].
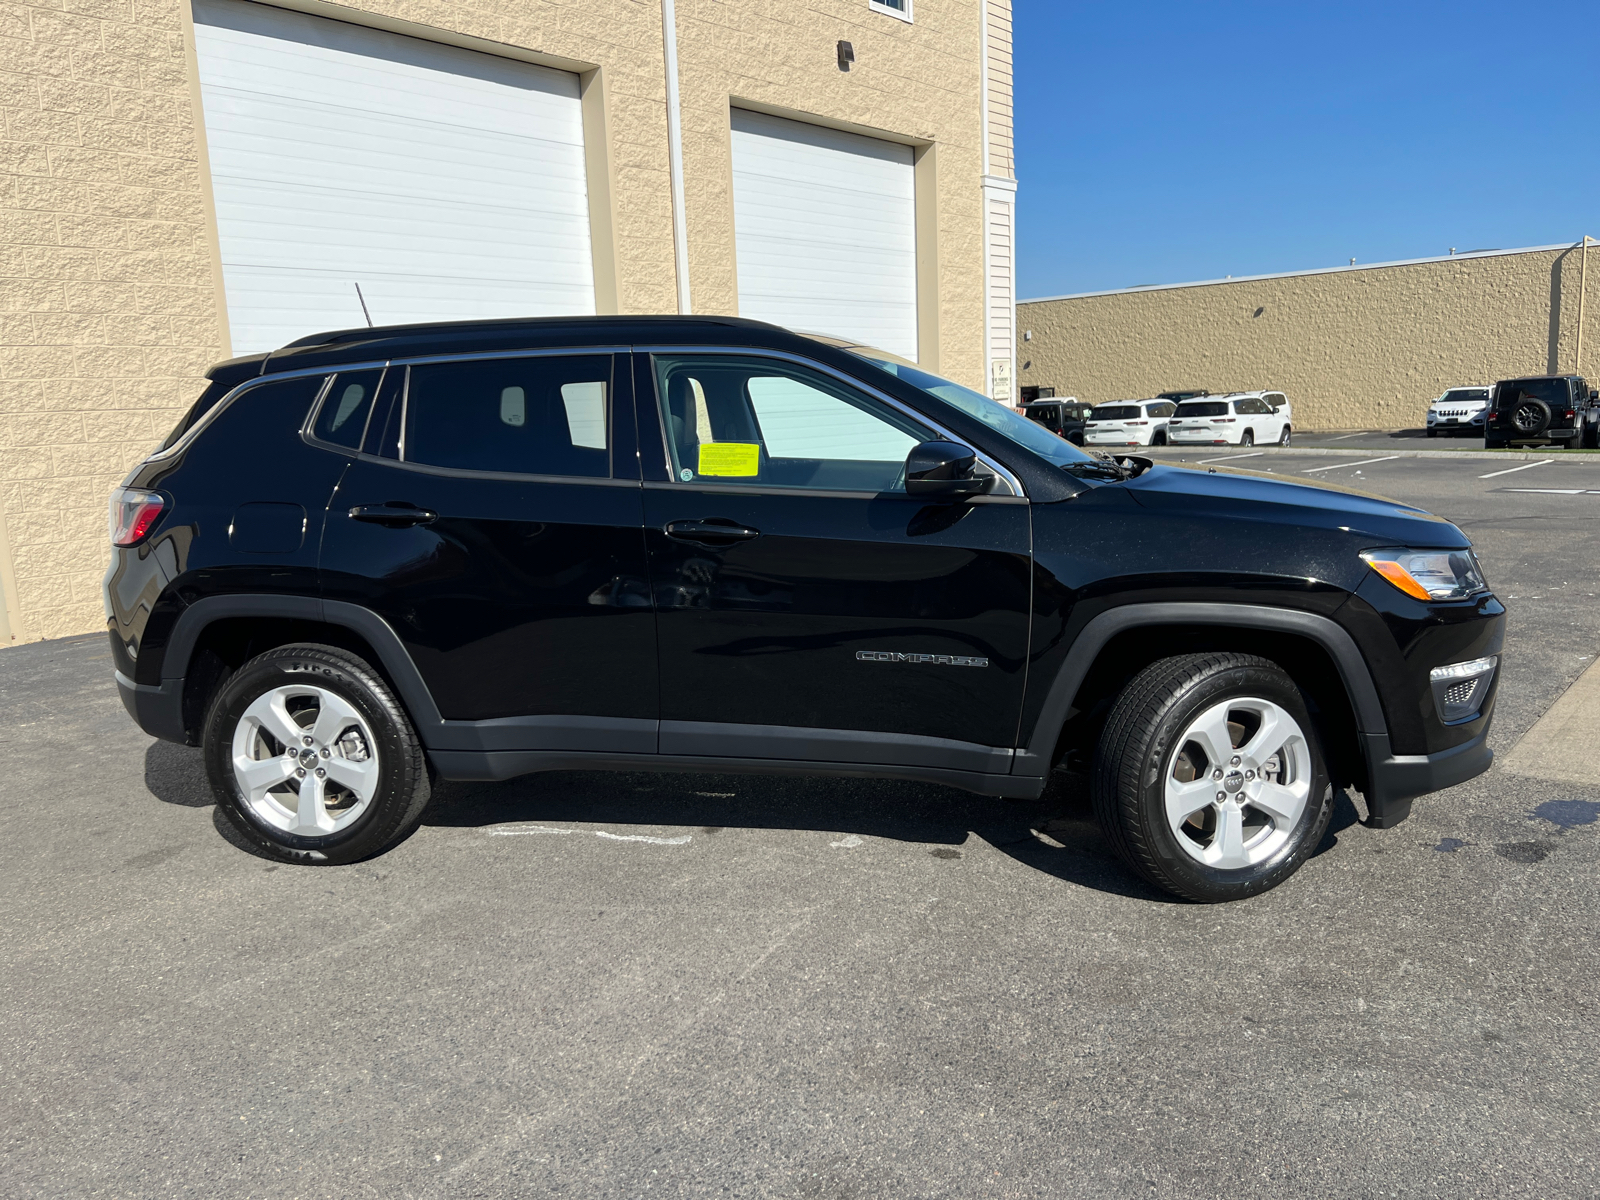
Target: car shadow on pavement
[(1056, 834)]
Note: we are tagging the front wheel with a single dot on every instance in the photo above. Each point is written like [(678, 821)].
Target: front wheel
[(1283, 438), (312, 759), (1209, 778)]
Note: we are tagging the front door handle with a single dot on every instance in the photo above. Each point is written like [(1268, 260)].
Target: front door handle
[(713, 531), (395, 515)]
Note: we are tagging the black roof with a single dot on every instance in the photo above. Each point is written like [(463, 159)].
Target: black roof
[(452, 337)]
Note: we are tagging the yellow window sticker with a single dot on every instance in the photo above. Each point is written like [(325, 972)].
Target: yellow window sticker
[(730, 458)]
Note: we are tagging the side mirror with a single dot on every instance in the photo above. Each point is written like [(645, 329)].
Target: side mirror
[(945, 469), (1594, 393)]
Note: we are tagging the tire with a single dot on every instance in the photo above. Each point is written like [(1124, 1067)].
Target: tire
[(1159, 438), (354, 748), (1530, 417), (1433, 433), (1150, 742), (1493, 443), (1247, 438), (1283, 438)]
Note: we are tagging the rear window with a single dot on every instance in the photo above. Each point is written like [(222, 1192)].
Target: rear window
[(1117, 412), (1203, 408), (1552, 391)]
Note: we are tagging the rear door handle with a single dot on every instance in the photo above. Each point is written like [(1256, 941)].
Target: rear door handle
[(395, 514), (713, 531)]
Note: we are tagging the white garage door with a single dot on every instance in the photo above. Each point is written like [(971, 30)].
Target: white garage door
[(448, 184), (825, 231)]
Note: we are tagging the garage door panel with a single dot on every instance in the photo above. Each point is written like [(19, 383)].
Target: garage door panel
[(825, 226), (449, 184)]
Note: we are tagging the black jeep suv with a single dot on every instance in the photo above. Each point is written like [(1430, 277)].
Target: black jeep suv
[(1542, 410), (379, 557)]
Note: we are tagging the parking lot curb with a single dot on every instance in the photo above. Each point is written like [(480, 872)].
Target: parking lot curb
[(1589, 456)]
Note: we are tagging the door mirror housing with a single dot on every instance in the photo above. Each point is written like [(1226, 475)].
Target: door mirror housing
[(945, 469)]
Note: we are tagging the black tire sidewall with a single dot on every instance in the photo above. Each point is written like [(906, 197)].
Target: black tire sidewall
[(399, 756), (1165, 722)]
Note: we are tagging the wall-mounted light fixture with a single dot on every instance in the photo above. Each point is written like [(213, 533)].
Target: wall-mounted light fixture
[(847, 55), (1027, 335)]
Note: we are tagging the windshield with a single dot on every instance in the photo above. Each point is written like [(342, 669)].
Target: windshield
[(1465, 396), (1203, 408), (1004, 421), (1116, 412)]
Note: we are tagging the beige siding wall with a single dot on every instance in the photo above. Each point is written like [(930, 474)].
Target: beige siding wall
[(1362, 348), (109, 294), (1002, 160)]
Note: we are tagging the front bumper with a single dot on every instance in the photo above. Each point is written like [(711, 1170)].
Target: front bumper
[(1398, 779)]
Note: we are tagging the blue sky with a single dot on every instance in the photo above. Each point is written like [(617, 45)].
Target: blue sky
[(1159, 142)]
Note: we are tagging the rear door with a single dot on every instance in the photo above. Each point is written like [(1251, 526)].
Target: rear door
[(495, 524), (807, 607)]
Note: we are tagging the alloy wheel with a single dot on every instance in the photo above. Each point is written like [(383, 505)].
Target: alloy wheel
[(305, 760), (1238, 783)]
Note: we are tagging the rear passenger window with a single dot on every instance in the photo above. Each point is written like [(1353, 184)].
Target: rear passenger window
[(517, 416), (346, 405)]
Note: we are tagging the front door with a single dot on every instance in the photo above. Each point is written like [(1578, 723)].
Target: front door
[(493, 524), (807, 607)]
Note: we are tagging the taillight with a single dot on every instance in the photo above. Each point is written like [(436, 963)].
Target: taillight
[(1223, 420), (133, 515)]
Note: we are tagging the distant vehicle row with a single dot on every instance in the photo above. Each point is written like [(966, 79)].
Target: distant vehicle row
[(1173, 418), (1537, 410)]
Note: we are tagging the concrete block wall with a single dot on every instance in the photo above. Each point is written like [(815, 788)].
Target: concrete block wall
[(111, 300), (1364, 347), (107, 301)]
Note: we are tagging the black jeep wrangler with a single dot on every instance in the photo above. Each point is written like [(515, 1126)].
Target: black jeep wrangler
[(379, 557), (1542, 410), (1064, 418)]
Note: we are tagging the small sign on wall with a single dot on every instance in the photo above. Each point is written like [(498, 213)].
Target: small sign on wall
[(1000, 380)]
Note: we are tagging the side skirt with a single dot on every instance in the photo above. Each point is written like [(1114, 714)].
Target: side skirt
[(508, 764)]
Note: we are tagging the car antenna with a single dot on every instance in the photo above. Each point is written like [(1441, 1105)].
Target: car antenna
[(364, 311)]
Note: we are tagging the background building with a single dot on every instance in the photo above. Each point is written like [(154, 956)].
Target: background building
[(183, 182), (1360, 347)]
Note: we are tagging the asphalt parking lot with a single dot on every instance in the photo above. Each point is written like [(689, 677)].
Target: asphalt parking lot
[(618, 986)]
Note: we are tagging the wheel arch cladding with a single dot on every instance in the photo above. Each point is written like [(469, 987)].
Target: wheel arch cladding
[(215, 636), (1313, 650)]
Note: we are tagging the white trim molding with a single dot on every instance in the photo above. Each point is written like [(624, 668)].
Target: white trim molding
[(680, 222), (1000, 286)]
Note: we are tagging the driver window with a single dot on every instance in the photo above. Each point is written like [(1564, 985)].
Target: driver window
[(768, 423)]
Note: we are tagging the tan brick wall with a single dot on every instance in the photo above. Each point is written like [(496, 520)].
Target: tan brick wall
[(1353, 349), (110, 306)]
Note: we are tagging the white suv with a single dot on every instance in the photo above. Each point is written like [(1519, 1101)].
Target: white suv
[(1459, 409), (1128, 423), (1234, 419)]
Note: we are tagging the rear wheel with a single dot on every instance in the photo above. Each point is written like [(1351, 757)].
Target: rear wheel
[(1490, 442), (1247, 438), (311, 758), (1159, 438), (1209, 776)]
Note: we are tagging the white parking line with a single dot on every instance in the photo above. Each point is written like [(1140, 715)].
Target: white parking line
[(1343, 436), (1200, 462), (1555, 491), (1358, 463), (1523, 467)]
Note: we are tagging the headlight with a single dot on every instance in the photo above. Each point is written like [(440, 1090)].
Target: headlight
[(1429, 574)]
